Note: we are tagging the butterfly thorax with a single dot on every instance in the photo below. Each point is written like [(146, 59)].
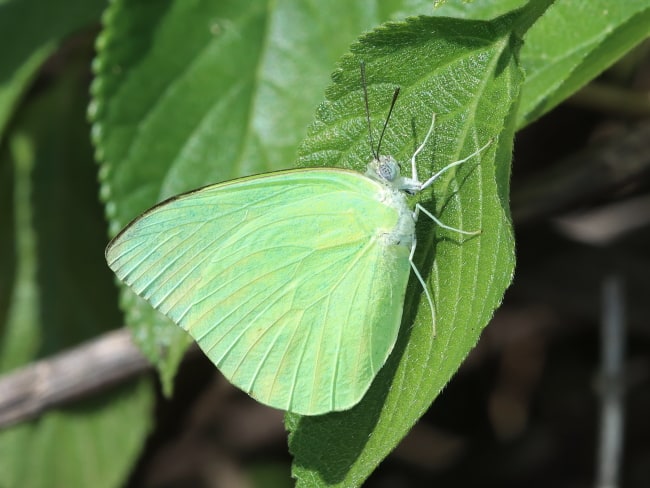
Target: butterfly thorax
[(385, 170)]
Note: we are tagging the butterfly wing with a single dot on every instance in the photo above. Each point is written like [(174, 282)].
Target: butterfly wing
[(282, 279)]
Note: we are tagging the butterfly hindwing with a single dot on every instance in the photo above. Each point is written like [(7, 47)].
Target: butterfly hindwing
[(281, 279)]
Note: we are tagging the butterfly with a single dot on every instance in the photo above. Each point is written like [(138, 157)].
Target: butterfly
[(291, 282)]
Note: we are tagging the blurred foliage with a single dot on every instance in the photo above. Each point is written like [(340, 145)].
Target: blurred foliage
[(188, 93)]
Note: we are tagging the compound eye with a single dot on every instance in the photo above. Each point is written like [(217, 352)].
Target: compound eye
[(388, 168)]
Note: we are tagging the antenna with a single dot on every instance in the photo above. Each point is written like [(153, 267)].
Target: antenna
[(375, 153), (390, 111)]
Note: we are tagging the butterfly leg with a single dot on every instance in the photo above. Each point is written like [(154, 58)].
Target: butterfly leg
[(414, 169), (423, 283), (437, 221), (451, 165)]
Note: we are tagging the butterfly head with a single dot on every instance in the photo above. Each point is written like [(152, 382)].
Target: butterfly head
[(384, 169)]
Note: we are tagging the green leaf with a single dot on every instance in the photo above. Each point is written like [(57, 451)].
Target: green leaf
[(466, 72), (30, 30), (176, 108), (476, 9), (93, 443), (571, 44), (55, 291)]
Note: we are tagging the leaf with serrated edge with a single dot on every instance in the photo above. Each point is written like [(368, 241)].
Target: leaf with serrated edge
[(466, 73)]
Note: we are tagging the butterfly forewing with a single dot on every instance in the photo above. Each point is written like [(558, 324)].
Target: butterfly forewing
[(284, 281)]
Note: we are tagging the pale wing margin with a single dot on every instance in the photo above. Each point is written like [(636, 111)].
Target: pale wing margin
[(281, 279)]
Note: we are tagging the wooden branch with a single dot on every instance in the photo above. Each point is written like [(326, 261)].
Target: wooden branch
[(612, 100), (109, 359), (597, 171)]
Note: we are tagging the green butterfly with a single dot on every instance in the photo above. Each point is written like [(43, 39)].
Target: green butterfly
[(291, 282)]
